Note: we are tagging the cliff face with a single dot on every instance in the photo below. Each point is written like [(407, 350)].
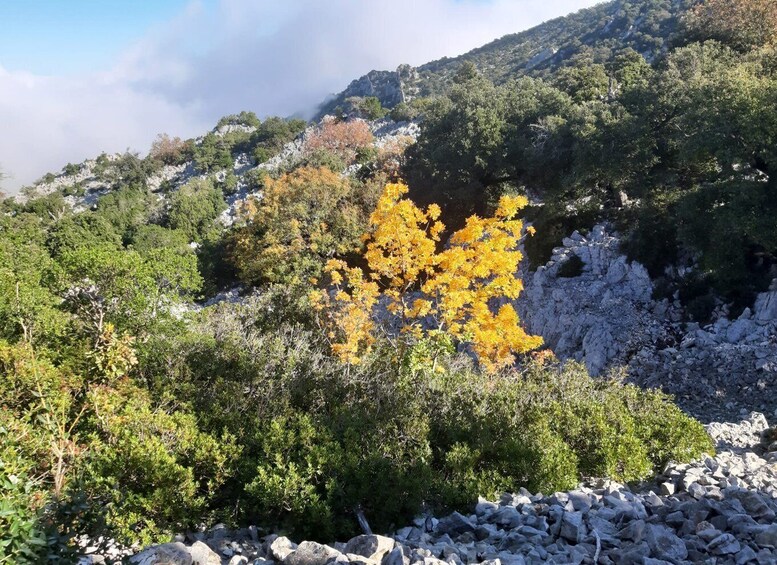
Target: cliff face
[(390, 87)]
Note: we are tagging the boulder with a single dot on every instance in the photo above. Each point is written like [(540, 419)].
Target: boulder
[(280, 548), (455, 524), (312, 553), (202, 554), (370, 546), (165, 554), (573, 528), (664, 544)]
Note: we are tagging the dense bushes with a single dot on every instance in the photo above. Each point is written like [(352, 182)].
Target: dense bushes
[(317, 437), (194, 209), (103, 449), (682, 149), (151, 470), (137, 420), (126, 414), (271, 135), (261, 140), (368, 108), (303, 218)]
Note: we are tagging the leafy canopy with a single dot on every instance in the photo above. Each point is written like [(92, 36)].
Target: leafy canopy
[(302, 219), (456, 286)]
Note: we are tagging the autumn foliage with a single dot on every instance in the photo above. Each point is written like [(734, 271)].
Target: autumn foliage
[(302, 219), (452, 291), (343, 138), (390, 157), (169, 150)]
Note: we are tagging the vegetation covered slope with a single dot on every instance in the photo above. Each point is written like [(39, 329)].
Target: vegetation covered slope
[(126, 410), (596, 34), (678, 153)]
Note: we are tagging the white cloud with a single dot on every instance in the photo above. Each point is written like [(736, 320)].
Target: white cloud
[(50, 121), (266, 56)]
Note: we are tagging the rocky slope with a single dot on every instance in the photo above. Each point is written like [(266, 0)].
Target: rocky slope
[(602, 313), (95, 179), (718, 510), (645, 26)]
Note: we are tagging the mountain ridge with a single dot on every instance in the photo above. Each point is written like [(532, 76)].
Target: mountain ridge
[(597, 33)]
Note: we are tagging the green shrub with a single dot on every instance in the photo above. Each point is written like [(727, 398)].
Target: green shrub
[(261, 155), (651, 234), (74, 190), (369, 108), (366, 154), (82, 230), (407, 111), (323, 158), (270, 137), (23, 539), (297, 464), (402, 112), (195, 207), (244, 118), (101, 164), (153, 471), (151, 237), (255, 179), (318, 437), (229, 185), (548, 427), (71, 169), (48, 208), (126, 209), (213, 153)]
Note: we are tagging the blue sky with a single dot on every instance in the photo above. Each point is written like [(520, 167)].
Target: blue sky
[(79, 77), (66, 36)]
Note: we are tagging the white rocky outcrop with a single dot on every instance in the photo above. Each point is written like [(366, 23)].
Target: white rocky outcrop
[(603, 313)]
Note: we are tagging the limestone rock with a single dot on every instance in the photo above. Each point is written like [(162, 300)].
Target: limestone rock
[(312, 553), (370, 546), (203, 555), (280, 548), (166, 554)]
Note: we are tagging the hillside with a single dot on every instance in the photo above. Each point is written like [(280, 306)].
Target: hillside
[(317, 329), (595, 34)]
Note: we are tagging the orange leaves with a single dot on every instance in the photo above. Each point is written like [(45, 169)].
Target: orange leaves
[(168, 150), (342, 138), (399, 246), (457, 285), (351, 330)]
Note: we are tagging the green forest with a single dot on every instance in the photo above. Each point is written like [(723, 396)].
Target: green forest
[(130, 409)]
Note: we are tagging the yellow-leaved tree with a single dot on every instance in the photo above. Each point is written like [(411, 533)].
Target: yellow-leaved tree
[(453, 291)]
